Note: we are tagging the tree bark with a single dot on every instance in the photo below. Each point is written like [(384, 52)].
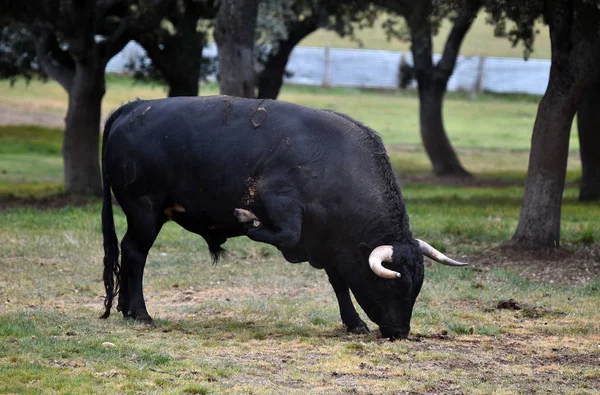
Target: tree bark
[(432, 82), (234, 36), (82, 125), (539, 221), (179, 60), (177, 52), (270, 79), (575, 57), (189, 87), (588, 125), (443, 158)]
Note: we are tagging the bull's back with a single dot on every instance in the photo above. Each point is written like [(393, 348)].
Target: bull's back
[(214, 150)]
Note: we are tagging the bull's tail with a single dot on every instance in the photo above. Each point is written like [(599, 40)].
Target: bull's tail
[(111, 244)]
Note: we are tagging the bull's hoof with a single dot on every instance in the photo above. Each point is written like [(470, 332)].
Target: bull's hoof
[(142, 317), (146, 320), (359, 329)]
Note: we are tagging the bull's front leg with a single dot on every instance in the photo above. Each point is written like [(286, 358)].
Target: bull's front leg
[(350, 318)]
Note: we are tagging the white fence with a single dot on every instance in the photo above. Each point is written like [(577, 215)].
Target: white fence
[(368, 68)]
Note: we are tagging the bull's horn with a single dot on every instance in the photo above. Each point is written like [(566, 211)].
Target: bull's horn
[(437, 256), (381, 254)]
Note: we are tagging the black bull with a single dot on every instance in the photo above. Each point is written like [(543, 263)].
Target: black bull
[(315, 184)]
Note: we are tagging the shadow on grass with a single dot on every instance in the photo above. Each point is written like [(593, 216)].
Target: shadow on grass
[(239, 329), (42, 197)]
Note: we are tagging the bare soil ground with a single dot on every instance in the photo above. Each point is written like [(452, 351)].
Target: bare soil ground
[(555, 266), (12, 114)]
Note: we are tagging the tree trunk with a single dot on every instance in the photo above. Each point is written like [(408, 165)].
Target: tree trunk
[(189, 87), (270, 79), (184, 75), (183, 72), (432, 81), (234, 36), (588, 125), (539, 221), (575, 58), (178, 58), (81, 138), (435, 140)]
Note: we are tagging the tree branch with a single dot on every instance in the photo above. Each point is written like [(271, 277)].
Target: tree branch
[(132, 25), (420, 34), (53, 61), (460, 27)]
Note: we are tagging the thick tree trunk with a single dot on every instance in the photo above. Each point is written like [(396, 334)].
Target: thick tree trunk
[(433, 79), (539, 221), (187, 87), (182, 69), (270, 79), (575, 59), (435, 140), (178, 58), (588, 125), (81, 138), (234, 36)]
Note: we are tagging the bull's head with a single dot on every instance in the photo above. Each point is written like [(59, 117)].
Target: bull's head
[(394, 313)]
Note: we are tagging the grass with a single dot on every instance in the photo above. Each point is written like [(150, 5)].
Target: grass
[(256, 324), (480, 41)]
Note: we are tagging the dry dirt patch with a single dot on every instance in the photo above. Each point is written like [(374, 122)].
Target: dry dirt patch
[(12, 114), (555, 266)]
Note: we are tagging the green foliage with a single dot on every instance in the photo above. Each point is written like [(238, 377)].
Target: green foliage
[(522, 14), (17, 52)]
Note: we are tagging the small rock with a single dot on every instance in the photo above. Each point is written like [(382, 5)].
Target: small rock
[(109, 345)]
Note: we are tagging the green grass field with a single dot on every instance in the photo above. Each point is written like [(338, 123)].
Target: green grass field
[(256, 324)]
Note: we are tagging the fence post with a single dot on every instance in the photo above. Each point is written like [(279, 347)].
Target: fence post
[(478, 88), (326, 68)]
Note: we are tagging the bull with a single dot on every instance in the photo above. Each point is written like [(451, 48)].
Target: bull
[(316, 184)]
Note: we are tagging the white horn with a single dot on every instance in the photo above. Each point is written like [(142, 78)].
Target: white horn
[(437, 256), (382, 254)]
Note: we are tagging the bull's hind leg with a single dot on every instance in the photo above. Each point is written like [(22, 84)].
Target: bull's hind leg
[(285, 217), (142, 230), (350, 318)]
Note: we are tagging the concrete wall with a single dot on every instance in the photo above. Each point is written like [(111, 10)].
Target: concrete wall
[(368, 68)]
